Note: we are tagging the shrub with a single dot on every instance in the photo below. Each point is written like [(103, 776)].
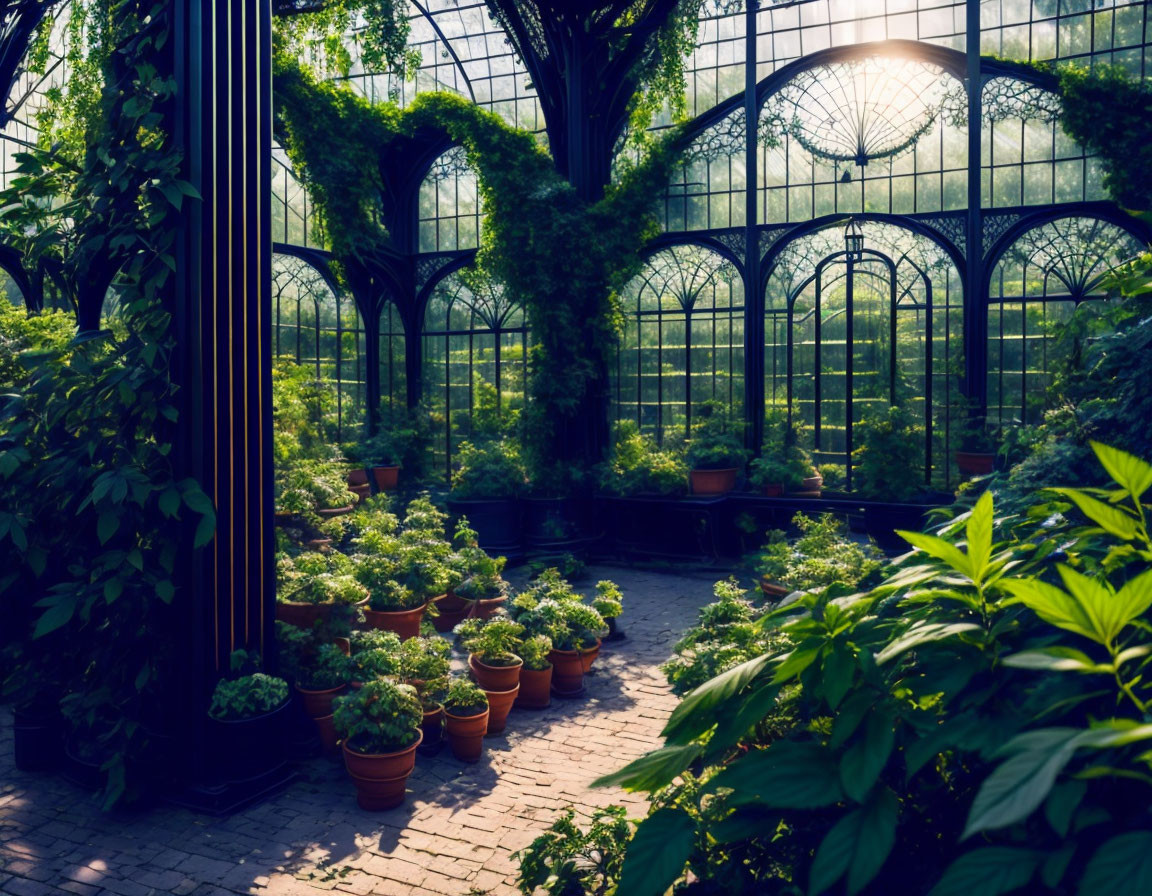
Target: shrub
[(376, 662), (717, 440), (534, 651), (464, 698), (381, 717), (493, 641), (824, 555), (609, 601), (488, 469), (323, 668), (247, 697), (424, 664), (565, 860), (889, 464), (639, 466), (975, 723)]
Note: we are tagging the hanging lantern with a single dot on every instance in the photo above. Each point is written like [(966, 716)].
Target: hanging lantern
[(854, 240)]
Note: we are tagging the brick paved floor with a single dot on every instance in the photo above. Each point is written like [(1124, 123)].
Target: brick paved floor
[(454, 836)]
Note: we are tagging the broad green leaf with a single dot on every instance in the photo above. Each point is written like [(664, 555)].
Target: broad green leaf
[(205, 530), (1053, 606), (658, 852), (746, 823), (1052, 871), (988, 872), (653, 770), (1061, 803), (1017, 787), (56, 616), (839, 670), (935, 742), (732, 726), (834, 854), (865, 759), (106, 526), (1112, 520), (1098, 603), (940, 549), (923, 633), (801, 657), (979, 532), (1056, 659), (198, 502), (169, 502), (1126, 470), (696, 712), (1134, 598), (786, 775), (877, 835), (1122, 865)]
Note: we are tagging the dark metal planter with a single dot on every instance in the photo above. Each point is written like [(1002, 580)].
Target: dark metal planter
[(497, 522)]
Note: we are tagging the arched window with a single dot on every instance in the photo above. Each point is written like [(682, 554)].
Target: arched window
[(450, 208), (683, 339), (321, 330), (1037, 284), (475, 361), (880, 134), (393, 359), (10, 291), (849, 335)]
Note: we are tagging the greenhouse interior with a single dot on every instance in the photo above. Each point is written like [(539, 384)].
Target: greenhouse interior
[(576, 447)]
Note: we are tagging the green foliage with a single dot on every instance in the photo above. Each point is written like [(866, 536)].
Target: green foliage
[(379, 717), (717, 441), (609, 600), (724, 637), (308, 486), (976, 723), (494, 641), (96, 518), (823, 555), (376, 662), (23, 334), (373, 639), (327, 34), (1107, 111), (889, 464), (550, 607), (247, 697), (566, 860), (783, 462), (534, 651), (424, 664), (304, 415), (320, 666), (464, 698), (403, 440), (639, 466), (317, 578), (488, 469)]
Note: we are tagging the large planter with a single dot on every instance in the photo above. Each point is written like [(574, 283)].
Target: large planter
[(452, 611), (713, 482), (302, 615), (975, 463), (386, 478), (381, 778), (242, 749), (535, 689), (810, 485), (405, 623), (773, 591), (318, 706), (588, 656), (495, 520), (466, 735), (499, 705), (486, 607), (495, 678), (433, 729), (773, 490), (36, 740), (328, 513), (567, 673), (554, 524)]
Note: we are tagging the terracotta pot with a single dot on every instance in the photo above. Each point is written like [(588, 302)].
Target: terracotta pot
[(319, 703), (386, 478), (452, 609), (499, 705), (535, 685), (357, 476), (774, 490), (381, 778), (495, 678), (316, 544), (713, 482), (975, 463), (486, 608), (345, 645), (433, 728), (302, 615), (774, 591), (329, 512), (588, 655), (466, 735), (405, 623), (812, 484), (360, 491), (567, 673), (329, 740)]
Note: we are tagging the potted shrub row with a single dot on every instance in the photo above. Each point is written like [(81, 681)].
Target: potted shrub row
[(379, 725)]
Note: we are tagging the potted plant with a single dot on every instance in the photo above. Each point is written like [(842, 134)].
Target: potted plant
[(312, 584), (491, 645), (379, 726), (557, 514), (716, 452), (322, 673), (976, 455), (248, 718), (482, 589), (784, 466), (823, 555), (375, 662), (465, 719), (486, 487), (424, 664), (379, 455), (550, 607), (638, 466), (401, 576), (609, 603), (536, 675)]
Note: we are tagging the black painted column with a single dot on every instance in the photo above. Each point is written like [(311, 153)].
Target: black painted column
[(753, 293), (222, 56), (975, 304)]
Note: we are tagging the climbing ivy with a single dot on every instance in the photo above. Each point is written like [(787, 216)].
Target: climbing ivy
[(563, 258), (325, 34)]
